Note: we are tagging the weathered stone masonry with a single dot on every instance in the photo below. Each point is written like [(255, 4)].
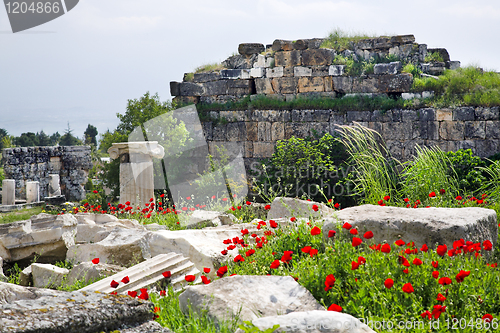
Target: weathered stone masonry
[(72, 163), (450, 129)]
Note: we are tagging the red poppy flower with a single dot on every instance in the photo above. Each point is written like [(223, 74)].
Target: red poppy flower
[(356, 241), (95, 191), (440, 298), (458, 198), (267, 207), (227, 241), (386, 248), (287, 256), (387, 197), (238, 258), (354, 265), (190, 278), (337, 205), (306, 249), (132, 293), (315, 231), (417, 262), (331, 233), (244, 232), (114, 284), (426, 314), (460, 277), (167, 274), (381, 202), (293, 219), (95, 261), (438, 309), (329, 282), (361, 260), (444, 281), (335, 307), (403, 261), (424, 248), (432, 194), (113, 293), (223, 252), (368, 235), (435, 274), (353, 231), (441, 250), (347, 226), (487, 246), (487, 318), (435, 264), (273, 224), (399, 242), (406, 200), (315, 208), (184, 208), (224, 199), (275, 264), (144, 294), (125, 280), (221, 271), (205, 280), (388, 283), (313, 252), (249, 252), (408, 288)]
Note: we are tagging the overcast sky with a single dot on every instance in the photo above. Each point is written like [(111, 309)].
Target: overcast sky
[(82, 67)]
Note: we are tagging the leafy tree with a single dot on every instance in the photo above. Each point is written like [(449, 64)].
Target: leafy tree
[(54, 139), (28, 139), (90, 135), (68, 139), (3, 134), (43, 139)]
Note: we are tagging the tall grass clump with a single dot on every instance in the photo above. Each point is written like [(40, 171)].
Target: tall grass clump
[(430, 172), (492, 185), (375, 170), (340, 40)]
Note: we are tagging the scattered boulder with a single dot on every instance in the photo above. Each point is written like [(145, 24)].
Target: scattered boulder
[(123, 247), (47, 276), (87, 271), (25, 277), (429, 226), (50, 236), (202, 218), (312, 322), (255, 296), (96, 227), (288, 207), (250, 48), (44, 310)]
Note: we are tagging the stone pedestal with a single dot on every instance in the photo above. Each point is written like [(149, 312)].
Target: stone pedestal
[(8, 192), (54, 186), (136, 169), (32, 192)]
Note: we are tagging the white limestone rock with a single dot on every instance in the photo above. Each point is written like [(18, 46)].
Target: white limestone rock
[(288, 207), (47, 276)]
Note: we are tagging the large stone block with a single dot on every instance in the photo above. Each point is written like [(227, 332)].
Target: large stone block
[(320, 70), (263, 149), (493, 129), (311, 84), (240, 87), (402, 39), (429, 226), (219, 132), (395, 83), (282, 45), (175, 88), (444, 114), (302, 71), (8, 192), (234, 74), (393, 131), (464, 113), (250, 48), (270, 295), (47, 276), (475, 129), (288, 58), (204, 77), (336, 70), (236, 131), (264, 131), (317, 57), (342, 84), (368, 84), (285, 85), (487, 113), (191, 89), (216, 87), (452, 130), (277, 131), (390, 68), (264, 86), (274, 72), (251, 130)]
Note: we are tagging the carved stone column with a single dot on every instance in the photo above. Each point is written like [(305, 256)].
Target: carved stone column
[(136, 170)]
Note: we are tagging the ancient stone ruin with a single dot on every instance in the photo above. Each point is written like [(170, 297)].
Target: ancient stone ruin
[(58, 171), (287, 69)]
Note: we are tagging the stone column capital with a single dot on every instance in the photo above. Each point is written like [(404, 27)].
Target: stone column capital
[(151, 148)]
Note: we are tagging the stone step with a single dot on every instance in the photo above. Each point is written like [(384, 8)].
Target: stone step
[(148, 273)]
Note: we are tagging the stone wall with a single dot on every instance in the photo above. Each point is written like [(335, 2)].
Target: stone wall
[(72, 163), (256, 131), (287, 69)]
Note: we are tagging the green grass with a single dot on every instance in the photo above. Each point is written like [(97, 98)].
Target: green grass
[(341, 40), (433, 57), (20, 215), (209, 68)]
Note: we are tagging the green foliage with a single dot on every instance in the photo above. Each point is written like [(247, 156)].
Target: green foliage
[(464, 86), (68, 139), (28, 139), (188, 77), (492, 184), (430, 171), (433, 57), (466, 170), (90, 135), (249, 327), (19, 215), (2, 175), (340, 40), (412, 69), (306, 165), (375, 171), (209, 68)]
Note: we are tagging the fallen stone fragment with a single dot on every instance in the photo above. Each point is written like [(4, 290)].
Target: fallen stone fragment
[(47, 276), (312, 322), (87, 271), (123, 247), (48, 235), (96, 227), (148, 273), (288, 207), (201, 218), (25, 277), (43, 310), (256, 296), (429, 226)]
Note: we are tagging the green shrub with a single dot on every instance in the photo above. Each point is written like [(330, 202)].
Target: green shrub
[(433, 57), (340, 40), (465, 168), (412, 69)]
